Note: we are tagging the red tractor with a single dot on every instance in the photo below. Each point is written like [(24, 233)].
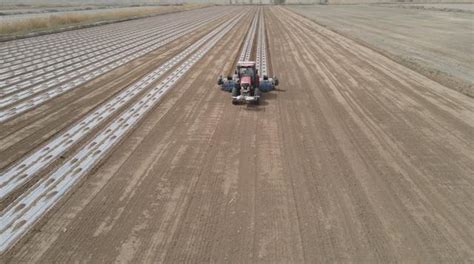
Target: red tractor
[(246, 89), (244, 85)]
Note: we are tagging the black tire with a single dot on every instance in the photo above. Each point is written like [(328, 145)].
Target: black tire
[(235, 91), (257, 94)]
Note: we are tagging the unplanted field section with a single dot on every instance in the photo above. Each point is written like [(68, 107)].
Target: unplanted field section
[(435, 43)]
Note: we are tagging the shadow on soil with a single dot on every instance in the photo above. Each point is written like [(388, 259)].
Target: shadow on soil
[(266, 99), (280, 90)]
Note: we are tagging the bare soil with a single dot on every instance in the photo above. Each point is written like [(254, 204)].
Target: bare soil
[(355, 158), (436, 44)]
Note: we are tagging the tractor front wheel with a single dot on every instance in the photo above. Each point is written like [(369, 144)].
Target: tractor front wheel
[(235, 91), (257, 93)]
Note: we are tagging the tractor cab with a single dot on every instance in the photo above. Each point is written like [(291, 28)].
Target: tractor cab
[(246, 69)]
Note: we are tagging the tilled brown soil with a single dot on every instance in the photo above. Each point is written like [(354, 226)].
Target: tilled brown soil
[(353, 159), (436, 44)]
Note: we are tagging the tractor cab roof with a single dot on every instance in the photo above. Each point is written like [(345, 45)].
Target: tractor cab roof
[(246, 64)]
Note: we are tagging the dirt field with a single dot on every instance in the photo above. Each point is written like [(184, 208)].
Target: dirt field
[(354, 158), (435, 43), (447, 7)]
